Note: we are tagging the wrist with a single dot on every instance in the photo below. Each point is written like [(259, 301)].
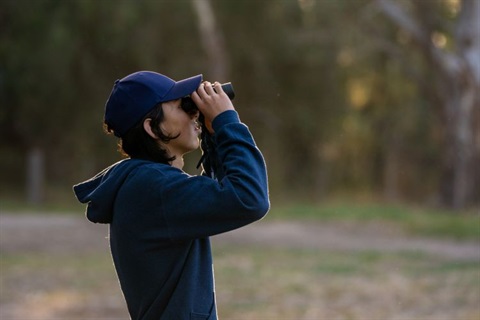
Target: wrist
[(226, 117)]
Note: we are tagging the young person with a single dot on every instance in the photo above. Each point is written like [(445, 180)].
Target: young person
[(160, 217)]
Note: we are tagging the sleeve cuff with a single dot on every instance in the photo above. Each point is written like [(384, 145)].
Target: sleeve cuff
[(226, 117)]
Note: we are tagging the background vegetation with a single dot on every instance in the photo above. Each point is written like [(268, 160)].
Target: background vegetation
[(369, 97)]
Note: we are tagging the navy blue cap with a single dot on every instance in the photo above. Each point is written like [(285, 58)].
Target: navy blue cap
[(135, 95)]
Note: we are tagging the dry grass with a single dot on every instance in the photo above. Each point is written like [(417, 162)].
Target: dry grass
[(60, 268), (257, 283)]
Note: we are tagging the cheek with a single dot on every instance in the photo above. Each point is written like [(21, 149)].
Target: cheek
[(170, 127), (165, 128)]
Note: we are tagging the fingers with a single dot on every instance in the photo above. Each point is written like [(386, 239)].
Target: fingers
[(196, 98), (206, 88), (211, 100), (218, 87)]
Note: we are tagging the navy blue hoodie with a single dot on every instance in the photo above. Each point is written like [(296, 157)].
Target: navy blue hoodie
[(161, 219)]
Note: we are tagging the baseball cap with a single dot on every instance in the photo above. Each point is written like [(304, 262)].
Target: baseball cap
[(135, 95)]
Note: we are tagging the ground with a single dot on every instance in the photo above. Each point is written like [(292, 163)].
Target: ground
[(62, 236), (66, 233)]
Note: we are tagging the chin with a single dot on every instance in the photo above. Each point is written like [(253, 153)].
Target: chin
[(196, 144), (193, 147)]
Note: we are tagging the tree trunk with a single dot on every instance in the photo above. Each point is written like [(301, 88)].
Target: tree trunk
[(212, 40), (463, 153), (459, 85), (35, 176), (467, 37), (391, 171)]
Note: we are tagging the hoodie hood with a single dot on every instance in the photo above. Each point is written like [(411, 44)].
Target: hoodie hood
[(99, 192)]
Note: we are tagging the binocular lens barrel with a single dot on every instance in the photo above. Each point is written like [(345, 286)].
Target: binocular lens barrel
[(228, 88)]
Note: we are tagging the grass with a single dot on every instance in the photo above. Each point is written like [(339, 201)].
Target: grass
[(414, 220), (259, 282), (65, 204), (39, 286), (255, 282), (423, 221)]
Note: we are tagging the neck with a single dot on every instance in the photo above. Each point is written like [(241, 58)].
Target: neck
[(178, 162)]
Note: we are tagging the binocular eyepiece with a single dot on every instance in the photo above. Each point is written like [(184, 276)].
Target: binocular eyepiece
[(190, 107)]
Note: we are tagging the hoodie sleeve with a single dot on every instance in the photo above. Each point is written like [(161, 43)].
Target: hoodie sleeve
[(198, 206)]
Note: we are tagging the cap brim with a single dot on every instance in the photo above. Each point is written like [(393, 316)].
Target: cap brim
[(183, 88)]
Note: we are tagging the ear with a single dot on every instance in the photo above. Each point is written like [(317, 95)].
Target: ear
[(147, 126)]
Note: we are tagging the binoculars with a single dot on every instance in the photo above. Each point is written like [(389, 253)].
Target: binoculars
[(190, 107)]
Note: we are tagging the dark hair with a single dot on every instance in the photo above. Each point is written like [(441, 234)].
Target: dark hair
[(137, 143)]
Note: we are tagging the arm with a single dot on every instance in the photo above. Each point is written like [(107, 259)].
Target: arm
[(197, 206), (177, 206)]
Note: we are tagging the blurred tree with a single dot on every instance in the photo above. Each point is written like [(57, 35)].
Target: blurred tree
[(333, 92), (288, 82), (59, 60), (447, 34), (211, 39)]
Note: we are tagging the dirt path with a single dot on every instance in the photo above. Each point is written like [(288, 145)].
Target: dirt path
[(59, 234)]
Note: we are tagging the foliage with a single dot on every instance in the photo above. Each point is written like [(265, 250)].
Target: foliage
[(329, 107)]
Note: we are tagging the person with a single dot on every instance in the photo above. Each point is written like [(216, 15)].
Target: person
[(161, 218)]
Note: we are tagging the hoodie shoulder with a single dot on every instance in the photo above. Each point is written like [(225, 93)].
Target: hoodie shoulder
[(100, 191)]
